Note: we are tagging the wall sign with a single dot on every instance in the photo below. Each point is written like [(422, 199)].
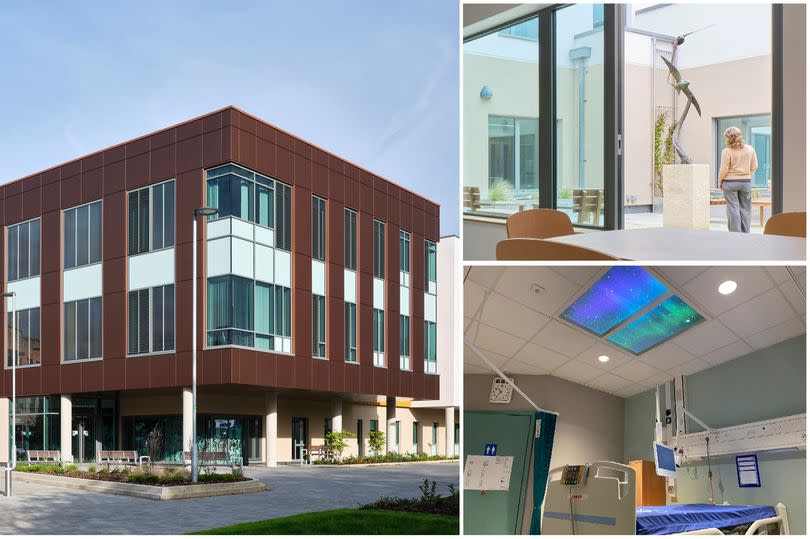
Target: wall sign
[(490, 450), (748, 471)]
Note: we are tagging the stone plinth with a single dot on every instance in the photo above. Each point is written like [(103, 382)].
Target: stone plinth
[(686, 196)]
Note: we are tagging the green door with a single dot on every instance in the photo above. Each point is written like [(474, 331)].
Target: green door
[(498, 512)]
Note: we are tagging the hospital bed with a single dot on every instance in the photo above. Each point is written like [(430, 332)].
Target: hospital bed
[(599, 499)]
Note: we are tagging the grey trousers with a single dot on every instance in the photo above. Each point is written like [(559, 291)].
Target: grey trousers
[(738, 204)]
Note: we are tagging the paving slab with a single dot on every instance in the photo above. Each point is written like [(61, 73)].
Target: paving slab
[(45, 510)]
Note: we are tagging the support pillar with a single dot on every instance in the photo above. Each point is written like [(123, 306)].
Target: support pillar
[(270, 428), (390, 423), (66, 428), (337, 414), (188, 412), (5, 430), (450, 431)]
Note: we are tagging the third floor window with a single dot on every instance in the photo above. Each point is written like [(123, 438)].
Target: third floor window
[(318, 228), (151, 218), (82, 235), (22, 242)]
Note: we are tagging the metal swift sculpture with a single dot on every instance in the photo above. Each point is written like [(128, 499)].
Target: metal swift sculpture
[(682, 87)]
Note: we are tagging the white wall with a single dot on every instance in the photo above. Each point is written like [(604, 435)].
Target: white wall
[(794, 38)]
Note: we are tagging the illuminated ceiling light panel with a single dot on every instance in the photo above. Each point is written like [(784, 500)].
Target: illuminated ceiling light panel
[(663, 322), (614, 298)]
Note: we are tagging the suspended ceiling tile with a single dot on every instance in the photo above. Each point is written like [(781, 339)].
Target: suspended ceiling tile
[(486, 276), (727, 353), (782, 332), (497, 341), (600, 348), (474, 295), (512, 317), (470, 358), (680, 275), (705, 338), (751, 282), (563, 339), (556, 289), (764, 311), (635, 371), (794, 297), (533, 354), (667, 356), (575, 371), (609, 382), (696, 365), (579, 275), (629, 391)]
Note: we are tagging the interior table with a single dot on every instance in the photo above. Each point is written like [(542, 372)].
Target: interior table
[(688, 244)]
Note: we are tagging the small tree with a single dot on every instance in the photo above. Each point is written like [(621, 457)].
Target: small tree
[(154, 444), (376, 441), (335, 443)]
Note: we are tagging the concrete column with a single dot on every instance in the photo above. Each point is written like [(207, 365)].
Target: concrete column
[(270, 428), (66, 424), (450, 431), (337, 414), (390, 423), (188, 412), (5, 430)]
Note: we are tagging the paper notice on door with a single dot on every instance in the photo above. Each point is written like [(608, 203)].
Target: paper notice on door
[(487, 473)]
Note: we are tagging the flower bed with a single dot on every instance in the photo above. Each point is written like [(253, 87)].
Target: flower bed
[(136, 476), (429, 502), (389, 457)]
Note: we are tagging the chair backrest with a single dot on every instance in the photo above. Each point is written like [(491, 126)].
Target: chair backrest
[(472, 197), (539, 223), (533, 249), (588, 202), (787, 224)]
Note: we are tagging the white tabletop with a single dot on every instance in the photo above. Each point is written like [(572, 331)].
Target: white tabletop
[(688, 244)]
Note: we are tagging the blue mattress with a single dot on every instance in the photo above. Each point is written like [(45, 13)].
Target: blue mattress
[(666, 519)]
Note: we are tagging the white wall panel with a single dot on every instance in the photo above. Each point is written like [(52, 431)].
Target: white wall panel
[(27, 293), (81, 283), (379, 293), (151, 269), (242, 257), (218, 257), (349, 286), (318, 278), (265, 236), (430, 307), (242, 229), (264, 263), (405, 300), (283, 268), (218, 228)]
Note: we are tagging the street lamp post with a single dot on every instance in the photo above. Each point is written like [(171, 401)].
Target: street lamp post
[(12, 464), (203, 211)]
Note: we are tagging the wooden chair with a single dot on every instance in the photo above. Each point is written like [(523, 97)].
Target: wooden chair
[(539, 223), (588, 202), (534, 249), (787, 224), (472, 198)]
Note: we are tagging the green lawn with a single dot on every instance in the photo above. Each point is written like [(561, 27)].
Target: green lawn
[(348, 522)]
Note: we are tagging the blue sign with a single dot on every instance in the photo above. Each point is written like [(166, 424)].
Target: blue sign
[(748, 471), (490, 450)]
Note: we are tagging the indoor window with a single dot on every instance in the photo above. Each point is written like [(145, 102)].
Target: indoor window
[(82, 329), (82, 235), (318, 228), (318, 326), (756, 132), (151, 320), (430, 347), (513, 154), (379, 249), (350, 239), (28, 338), (350, 331), (22, 242), (151, 218)]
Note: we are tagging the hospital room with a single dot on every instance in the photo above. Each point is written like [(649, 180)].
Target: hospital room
[(634, 400)]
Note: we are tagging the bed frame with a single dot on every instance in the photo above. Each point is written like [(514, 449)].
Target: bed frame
[(758, 527)]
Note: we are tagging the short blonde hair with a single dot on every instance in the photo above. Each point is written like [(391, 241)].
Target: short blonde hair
[(734, 138)]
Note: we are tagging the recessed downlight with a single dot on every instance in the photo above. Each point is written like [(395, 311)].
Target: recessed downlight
[(727, 287), (603, 359)]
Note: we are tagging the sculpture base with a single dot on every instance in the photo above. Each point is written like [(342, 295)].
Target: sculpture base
[(686, 196)]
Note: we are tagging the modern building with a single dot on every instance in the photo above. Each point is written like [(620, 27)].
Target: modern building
[(316, 300)]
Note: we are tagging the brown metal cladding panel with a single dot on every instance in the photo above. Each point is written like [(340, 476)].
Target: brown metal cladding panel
[(114, 177), (320, 177), (51, 288), (285, 165), (161, 139), (266, 132), (406, 216), (335, 186), (114, 275), (334, 338), (285, 141), (319, 376), (183, 369), (337, 373), (210, 368), (189, 154), (137, 147), (351, 375), (50, 324), (71, 377), (189, 187), (266, 157), (137, 372), (11, 189), (32, 203), (419, 387), (303, 371), (92, 162), (212, 148), (336, 164), (431, 387), (162, 164), (303, 223), (13, 211), (70, 169), (380, 381), (50, 197), (365, 251), (162, 371), (50, 176), (394, 213), (351, 194), (228, 150), (114, 217), (114, 326), (285, 371), (93, 376), (29, 381), (51, 381), (248, 124), (114, 155), (432, 230), (189, 130), (303, 177), (2, 216), (380, 207), (365, 338), (266, 369), (182, 294), (137, 171), (405, 380), (303, 149), (247, 149), (334, 286), (51, 248), (212, 122), (247, 367), (92, 185), (114, 373), (225, 369)]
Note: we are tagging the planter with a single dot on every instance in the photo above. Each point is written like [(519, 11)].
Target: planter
[(686, 196), (143, 491)]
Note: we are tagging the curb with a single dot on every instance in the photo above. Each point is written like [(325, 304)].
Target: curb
[(371, 464)]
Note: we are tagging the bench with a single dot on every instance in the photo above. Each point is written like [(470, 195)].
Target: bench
[(212, 458), (129, 458), (43, 455), (322, 452)]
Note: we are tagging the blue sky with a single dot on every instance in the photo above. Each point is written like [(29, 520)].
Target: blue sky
[(375, 82)]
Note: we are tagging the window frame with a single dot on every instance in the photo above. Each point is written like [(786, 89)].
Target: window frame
[(152, 352), (39, 250), (151, 218), (349, 241), (6, 365), (379, 249), (100, 202), (349, 336), (319, 218), (64, 332), (318, 331)]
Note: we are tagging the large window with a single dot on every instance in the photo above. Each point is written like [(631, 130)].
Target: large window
[(318, 228), (82, 235), (379, 337), (28, 338), (272, 314), (350, 239), (379, 249), (37, 425), (404, 251), (430, 347), (151, 218), (404, 342), (238, 192), (513, 154), (318, 326), (82, 331), (350, 332), (430, 262), (756, 131), (230, 312), (22, 241), (151, 320)]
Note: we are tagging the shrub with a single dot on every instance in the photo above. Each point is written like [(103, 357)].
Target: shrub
[(376, 441), (429, 502), (501, 190), (335, 443)]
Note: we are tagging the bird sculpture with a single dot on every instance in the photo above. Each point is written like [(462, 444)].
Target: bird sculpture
[(681, 86)]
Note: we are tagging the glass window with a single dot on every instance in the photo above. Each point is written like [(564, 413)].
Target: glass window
[(264, 206), (430, 262), (350, 239), (83, 329), (82, 235), (430, 347), (318, 326), (350, 331), (238, 308), (23, 250), (151, 209), (404, 342), (404, 251), (151, 320), (513, 155), (756, 132), (379, 336), (318, 228), (379, 249), (284, 217), (525, 30), (28, 338)]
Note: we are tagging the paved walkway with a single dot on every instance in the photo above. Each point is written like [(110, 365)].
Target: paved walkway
[(36, 509)]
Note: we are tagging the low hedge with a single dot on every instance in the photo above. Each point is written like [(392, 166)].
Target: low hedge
[(126, 476), (388, 457)]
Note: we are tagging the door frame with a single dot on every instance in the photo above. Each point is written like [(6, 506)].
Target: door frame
[(305, 422)]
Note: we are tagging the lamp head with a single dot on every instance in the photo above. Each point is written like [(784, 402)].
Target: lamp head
[(205, 211)]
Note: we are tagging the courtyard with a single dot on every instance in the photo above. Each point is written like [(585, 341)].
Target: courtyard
[(38, 510)]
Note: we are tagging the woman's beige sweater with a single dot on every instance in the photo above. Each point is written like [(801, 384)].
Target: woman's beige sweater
[(737, 163)]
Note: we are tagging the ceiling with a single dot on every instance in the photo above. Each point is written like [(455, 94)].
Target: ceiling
[(521, 333)]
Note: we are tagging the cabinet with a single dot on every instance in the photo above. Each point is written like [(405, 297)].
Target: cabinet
[(651, 488)]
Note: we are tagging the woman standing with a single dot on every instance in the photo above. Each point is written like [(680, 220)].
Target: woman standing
[(738, 162)]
